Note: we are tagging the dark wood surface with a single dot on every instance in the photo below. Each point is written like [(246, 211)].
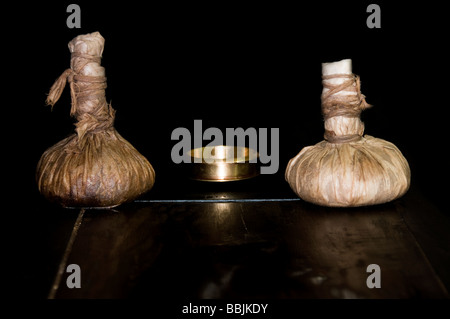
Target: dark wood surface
[(237, 248)]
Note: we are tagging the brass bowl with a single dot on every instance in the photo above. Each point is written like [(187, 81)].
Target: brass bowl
[(223, 163)]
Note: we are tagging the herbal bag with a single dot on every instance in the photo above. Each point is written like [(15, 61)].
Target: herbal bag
[(347, 168), (94, 167)]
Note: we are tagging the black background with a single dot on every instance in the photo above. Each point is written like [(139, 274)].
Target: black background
[(230, 64)]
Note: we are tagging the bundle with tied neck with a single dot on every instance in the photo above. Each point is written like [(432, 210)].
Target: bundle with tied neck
[(348, 168), (96, 166)]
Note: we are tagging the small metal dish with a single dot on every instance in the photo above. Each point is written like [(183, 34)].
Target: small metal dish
[(223, 163)]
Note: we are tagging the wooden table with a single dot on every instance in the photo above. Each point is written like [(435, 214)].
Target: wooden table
[(240, 245)]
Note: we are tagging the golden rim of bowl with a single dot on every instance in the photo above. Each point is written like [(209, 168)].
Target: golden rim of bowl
[(223, 163)]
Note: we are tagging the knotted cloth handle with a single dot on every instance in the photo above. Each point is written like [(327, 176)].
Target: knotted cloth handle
[(84, 88), (348, 105)]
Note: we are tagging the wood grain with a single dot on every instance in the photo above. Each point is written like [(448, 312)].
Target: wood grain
[(251, 250)]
